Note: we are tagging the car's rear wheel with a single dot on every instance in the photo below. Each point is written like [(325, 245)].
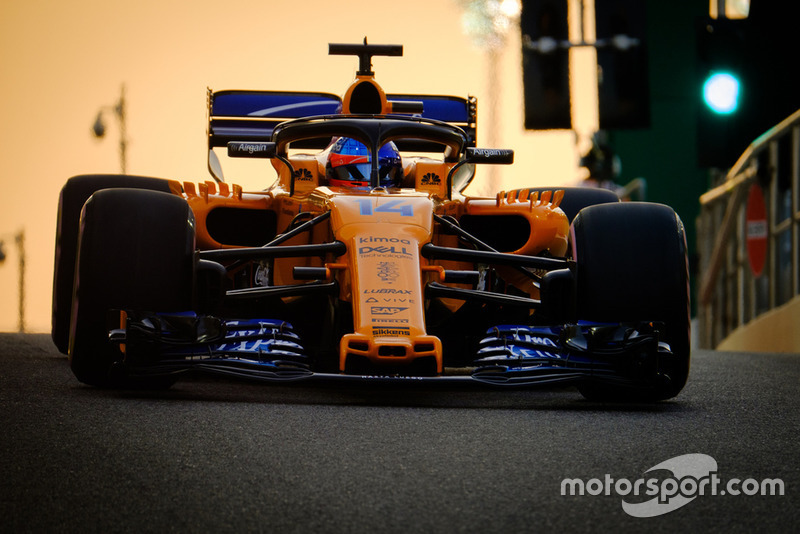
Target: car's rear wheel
[(73, 195), (135, 251), (632, 266)]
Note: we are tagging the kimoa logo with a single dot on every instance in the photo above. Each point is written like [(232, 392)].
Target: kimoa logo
[(693, 475), (375, 239)]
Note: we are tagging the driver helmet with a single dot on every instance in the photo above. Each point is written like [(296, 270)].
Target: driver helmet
[(349, 164)]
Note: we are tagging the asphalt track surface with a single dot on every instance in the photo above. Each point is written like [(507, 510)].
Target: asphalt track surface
[(215, 455)]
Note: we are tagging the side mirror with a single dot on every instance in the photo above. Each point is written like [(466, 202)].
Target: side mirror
[(214, 166), (246, 149), (472, 155), (260, 149)]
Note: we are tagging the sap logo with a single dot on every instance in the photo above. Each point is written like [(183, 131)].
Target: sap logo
[(386, 310)]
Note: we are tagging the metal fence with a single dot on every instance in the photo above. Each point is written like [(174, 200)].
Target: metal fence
[(747, 235)]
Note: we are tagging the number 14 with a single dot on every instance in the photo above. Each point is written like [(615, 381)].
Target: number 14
[(392, 206)]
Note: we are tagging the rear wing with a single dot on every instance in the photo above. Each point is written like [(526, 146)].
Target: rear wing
[(253, 115), (454, 110)]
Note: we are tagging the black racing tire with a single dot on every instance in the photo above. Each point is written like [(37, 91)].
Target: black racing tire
[(73, 195), (135, 251), (631, 265), (577, 198)]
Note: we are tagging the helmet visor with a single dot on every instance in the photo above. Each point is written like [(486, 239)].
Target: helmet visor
[(349, 165)]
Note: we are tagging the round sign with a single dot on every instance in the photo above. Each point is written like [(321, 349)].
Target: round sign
[(756, 229)]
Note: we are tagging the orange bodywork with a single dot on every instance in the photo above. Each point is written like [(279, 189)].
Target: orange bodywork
[(383, 234), (383, 274)]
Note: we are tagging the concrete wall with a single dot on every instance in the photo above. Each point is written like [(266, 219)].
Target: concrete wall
[(775, 331)]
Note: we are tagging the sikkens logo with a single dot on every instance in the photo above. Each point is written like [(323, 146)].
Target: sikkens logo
[(380, 331)]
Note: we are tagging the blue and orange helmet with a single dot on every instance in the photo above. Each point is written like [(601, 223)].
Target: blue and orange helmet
[(349, 164)]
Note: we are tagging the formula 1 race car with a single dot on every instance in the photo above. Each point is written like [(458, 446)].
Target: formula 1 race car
[(366, 261)]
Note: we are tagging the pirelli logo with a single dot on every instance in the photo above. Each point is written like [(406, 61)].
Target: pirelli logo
[(378, 331)]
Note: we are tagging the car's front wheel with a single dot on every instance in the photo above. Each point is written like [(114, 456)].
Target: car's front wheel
[(74, 194), (135, 251), (632, 266)]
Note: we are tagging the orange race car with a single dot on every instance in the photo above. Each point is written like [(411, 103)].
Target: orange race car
[(365, 260)]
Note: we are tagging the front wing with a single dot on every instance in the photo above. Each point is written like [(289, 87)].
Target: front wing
[(626, 354)]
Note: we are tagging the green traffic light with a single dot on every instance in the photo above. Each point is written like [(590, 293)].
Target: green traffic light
[(721, 93)]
